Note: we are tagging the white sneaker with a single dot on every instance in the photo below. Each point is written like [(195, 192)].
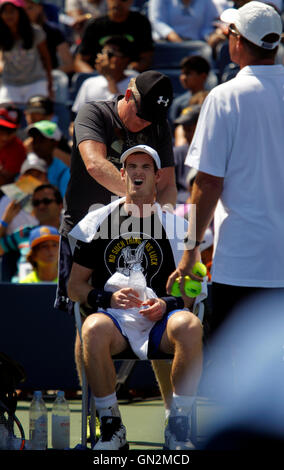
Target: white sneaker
[(113, 434), (177, 434)]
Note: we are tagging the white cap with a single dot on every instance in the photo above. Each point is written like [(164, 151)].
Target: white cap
[(33, 162), (277, 3), (142, 149), (254, 21)]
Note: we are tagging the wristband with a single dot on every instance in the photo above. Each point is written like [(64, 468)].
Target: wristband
[(173, 303), (192, 243), (3, 223), (99, 298)]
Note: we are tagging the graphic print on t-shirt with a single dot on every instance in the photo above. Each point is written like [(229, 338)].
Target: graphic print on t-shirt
[(128, 249)]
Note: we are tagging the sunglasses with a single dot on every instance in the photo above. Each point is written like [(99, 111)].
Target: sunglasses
[(233, 31), (112, 53), (46, 201)]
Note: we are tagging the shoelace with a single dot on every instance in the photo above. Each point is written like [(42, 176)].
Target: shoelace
[(109, 426)]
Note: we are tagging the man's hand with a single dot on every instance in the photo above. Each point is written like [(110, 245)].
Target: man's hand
[(154, 309), (125, 298), (188, 260)]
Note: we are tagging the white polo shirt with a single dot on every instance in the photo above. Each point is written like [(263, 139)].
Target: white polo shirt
[(240, 136)]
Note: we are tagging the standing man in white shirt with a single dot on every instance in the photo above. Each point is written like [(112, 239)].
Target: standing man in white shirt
[(238, 152)]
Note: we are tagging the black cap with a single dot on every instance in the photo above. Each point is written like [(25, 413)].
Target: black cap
[(156, 93), (39, 104), (189, 115)]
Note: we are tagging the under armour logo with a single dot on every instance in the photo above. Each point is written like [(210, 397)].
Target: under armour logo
[(161, 100)]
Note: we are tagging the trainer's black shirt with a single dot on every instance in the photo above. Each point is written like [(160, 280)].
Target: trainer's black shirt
[(99, 121)]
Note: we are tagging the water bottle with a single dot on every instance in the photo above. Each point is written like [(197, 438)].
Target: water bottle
[(3, 437), (60, 422), (38, 422), (137, 281)]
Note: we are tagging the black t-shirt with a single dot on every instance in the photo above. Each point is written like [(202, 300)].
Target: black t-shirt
[(136, 26), (115, 249), (99, 121)]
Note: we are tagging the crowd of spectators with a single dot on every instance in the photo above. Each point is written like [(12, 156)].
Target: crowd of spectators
[(56, 55)]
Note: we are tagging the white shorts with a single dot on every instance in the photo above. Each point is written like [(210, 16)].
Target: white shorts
[(21, 94)]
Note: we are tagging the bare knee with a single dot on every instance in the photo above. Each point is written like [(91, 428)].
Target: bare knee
[(185, 327), (97, 332)]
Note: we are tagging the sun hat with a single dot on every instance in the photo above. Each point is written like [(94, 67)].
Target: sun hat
[(10, 116), (33, 162), (16, 3), (43, 233), (142, 149), (189, 115), (254, 21), (39, 104), (48, 129)]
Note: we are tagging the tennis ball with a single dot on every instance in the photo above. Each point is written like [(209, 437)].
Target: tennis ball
[(175, 289), (199, 269), (192, 288)]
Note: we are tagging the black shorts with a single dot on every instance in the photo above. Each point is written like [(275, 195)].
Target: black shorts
[(62, 301), (225, 299)]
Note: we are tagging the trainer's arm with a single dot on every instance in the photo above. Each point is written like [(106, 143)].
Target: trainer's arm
[(206, 191), (78, 284), (166, 187), (103, 171)]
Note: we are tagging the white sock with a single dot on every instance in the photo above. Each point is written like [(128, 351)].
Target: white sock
[(107, 406), (167, 413), (182, 404)]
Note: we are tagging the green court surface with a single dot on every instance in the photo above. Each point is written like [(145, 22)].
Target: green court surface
[(144, 421)]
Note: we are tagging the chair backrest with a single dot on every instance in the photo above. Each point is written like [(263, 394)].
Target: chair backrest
[(168, 55)]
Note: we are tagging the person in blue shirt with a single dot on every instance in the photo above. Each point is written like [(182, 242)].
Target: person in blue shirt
[(46, 135), (179, 20)]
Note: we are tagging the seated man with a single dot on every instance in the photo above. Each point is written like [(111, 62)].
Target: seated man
[(110, 246)]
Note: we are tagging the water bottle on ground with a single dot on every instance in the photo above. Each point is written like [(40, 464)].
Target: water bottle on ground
[(38, 422), (137, 281), (60, 422), (3, 437)]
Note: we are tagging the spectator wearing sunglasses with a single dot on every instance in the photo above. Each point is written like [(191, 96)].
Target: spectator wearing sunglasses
[(47, 207), (46, 135), (12, 150), (111, 64), (120, 20)]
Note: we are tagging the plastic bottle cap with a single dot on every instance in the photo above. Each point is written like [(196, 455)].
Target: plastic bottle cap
[(38, 393), (60, 393)]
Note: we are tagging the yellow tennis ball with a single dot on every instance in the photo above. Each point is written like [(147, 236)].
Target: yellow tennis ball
[(199, 269), (191, 288)]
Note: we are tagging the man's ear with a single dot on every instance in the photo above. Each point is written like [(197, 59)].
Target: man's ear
[(158, 176), (122, 173), (128, 94)]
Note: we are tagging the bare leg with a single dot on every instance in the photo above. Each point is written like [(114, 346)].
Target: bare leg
[(183, 337), (101, 339), (162, 371)]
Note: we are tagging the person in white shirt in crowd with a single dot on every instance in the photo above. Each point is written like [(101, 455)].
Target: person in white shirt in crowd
[(111, 64)]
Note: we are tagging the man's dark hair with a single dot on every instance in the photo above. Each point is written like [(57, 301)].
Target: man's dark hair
[(259, 52), (56, 192), (124, 45), (196, 63)]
